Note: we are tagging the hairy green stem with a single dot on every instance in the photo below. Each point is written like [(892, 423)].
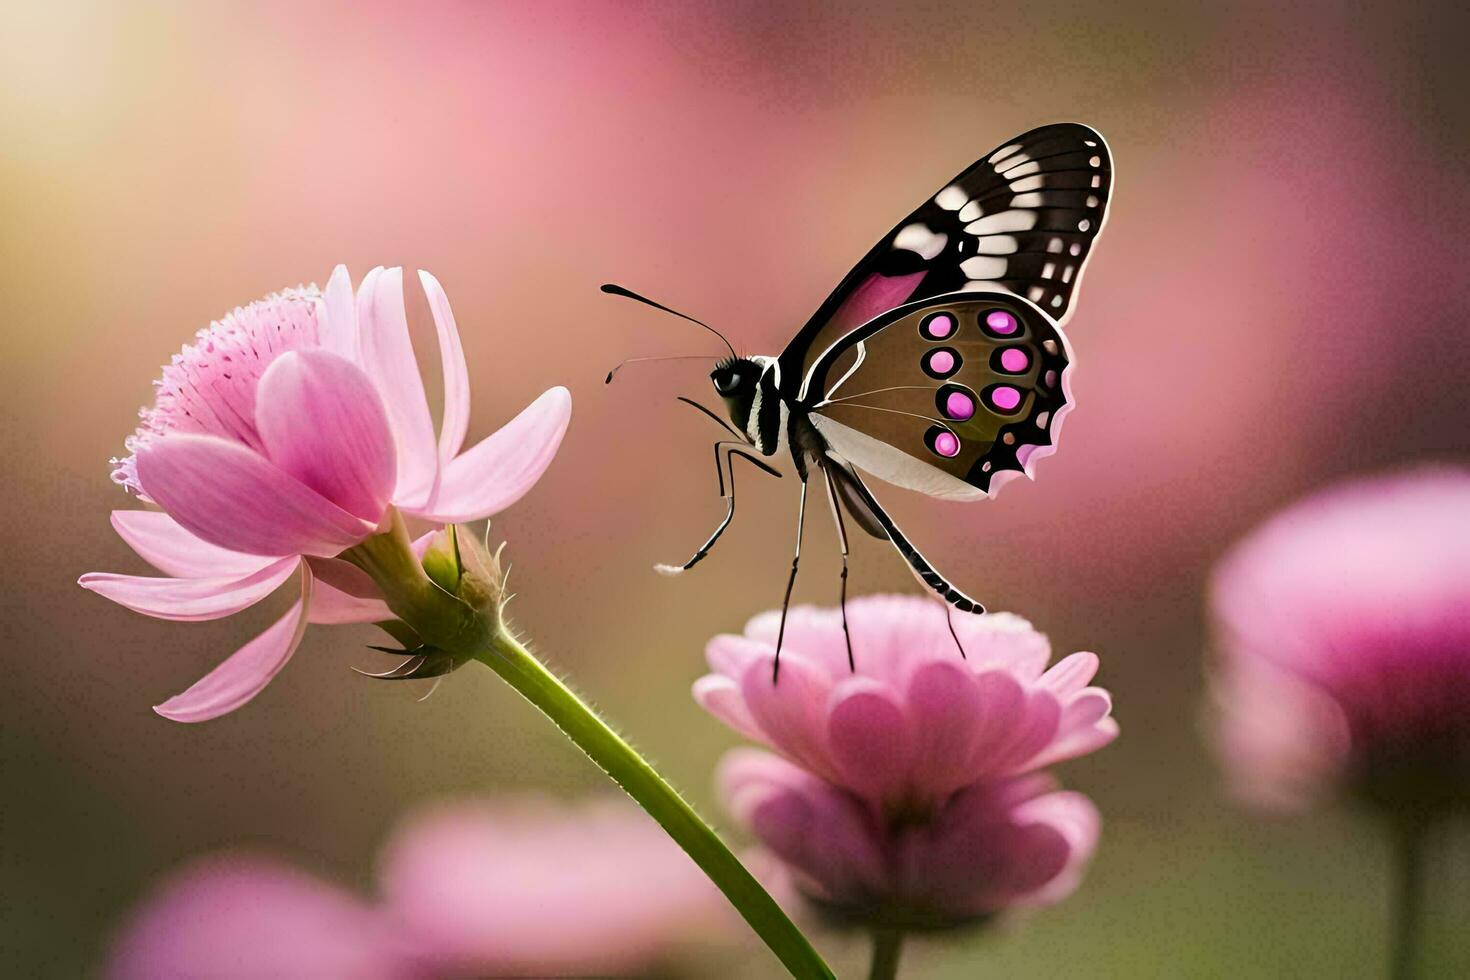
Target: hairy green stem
[(622, 762), (887, 946)]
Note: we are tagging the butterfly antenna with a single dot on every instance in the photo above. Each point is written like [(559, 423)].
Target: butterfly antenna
[(660, 357), (616, 290)]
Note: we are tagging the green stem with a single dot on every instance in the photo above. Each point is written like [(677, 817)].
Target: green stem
[(887, 946), (623, 763), (1411, 837)]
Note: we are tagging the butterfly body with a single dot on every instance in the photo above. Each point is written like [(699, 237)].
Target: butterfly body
[(938, 364)]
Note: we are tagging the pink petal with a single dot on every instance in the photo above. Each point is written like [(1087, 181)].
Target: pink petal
[(387, 356), (1078, 744), (870, 739), (1004, 640), (190, 600), (337, 319), (321, 421), (343, 593), (161, 542), (945, 699), (456, 420), (1070, 674), (498, 471), (720, 696), (247, 671), (1076, 818), (1002, 708), (816, 634), (792, 713), (235, 498), (819, 829), (1042, 719), (729, 654)]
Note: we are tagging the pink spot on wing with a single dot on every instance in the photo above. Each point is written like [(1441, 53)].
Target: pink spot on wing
[(941, 362), (947, 444), (941, 326), (1014, 359), (1005, 398), (999, 321), (959, 406)]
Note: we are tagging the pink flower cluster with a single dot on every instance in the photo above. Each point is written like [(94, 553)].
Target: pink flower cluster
[(286, 434), (1343, 654), (475, 888), (910, 790)]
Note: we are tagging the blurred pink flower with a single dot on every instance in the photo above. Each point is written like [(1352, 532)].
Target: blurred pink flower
[(1344, 646), (908, 796), (915, 722), (282, 437), (508, 888), (234, 916), (996, 845), (534, 889)]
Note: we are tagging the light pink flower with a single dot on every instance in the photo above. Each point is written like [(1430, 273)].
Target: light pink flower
[(915, 722), (528, 888), (237, 916), (282, 437), (509, 888), (1344, 646), (993, 846)]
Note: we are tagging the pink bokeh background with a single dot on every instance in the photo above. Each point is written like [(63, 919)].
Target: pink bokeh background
[(1278, 302)]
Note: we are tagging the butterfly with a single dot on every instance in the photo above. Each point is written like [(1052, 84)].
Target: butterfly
[(938, 364)]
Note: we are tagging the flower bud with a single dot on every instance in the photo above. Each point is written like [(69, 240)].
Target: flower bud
[(449, 594)]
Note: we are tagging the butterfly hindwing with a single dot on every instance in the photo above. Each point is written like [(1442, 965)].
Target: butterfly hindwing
[(1022, 219), (949, 396)]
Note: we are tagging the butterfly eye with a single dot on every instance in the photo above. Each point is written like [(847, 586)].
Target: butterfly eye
[(727, 383)]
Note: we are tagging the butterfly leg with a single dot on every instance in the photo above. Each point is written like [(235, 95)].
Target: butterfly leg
[(725, 451), (949, 621), (841, 540), (918, 564), (790, 582)]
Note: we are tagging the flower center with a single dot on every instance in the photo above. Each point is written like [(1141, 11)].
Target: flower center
[(209, 386)]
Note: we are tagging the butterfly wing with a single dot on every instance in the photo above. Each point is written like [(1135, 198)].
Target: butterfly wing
[(1022, 219), (951, 396)]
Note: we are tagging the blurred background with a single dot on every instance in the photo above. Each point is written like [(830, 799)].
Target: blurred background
[(1280, 300)]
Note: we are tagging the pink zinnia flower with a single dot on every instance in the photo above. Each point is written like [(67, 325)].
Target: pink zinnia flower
[(289, 432), (908, 796), (915, 722), (237, 916), (1344, 646), (473, 888), (993, 846), (527, 888)]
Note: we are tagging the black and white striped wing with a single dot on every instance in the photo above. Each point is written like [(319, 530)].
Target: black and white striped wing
[(1022, 219)]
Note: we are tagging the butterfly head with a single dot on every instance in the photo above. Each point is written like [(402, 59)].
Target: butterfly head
[(735, 381)]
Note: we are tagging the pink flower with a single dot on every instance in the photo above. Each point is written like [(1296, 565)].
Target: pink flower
[(285, 435), (1344, 646), (527, 888), (993, 846), (508, 888), (908, 796), (233, 916), (915, 723)]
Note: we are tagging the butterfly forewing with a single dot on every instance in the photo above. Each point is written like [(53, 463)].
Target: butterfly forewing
[(1022, 219), (945, 396)]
